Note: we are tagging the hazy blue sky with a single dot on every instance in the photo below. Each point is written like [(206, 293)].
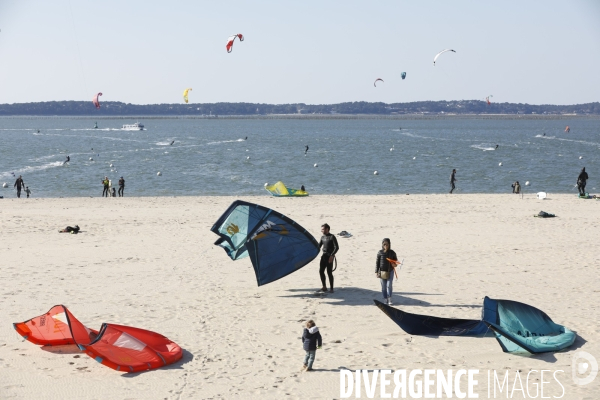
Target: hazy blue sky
[(539, 52)]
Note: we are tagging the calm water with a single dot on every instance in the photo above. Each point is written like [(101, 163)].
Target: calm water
[(210, 157)]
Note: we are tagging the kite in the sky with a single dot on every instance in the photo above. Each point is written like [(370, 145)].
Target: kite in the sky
[(185, 94), (375, 83), (96, 101), (277, 245), (441, 52), (403, 75), (231, 39), (487, 99)]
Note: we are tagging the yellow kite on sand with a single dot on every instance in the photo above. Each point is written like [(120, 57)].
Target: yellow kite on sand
[(280, 190)]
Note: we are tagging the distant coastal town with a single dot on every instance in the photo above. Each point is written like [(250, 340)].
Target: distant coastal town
[(215, 110)]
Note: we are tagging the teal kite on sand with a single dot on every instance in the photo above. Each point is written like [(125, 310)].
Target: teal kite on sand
[(518, 327)]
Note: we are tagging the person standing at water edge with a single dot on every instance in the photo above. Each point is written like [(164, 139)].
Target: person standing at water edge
[(384, 269), (121, 186), (581, 181), (452, 180), (19, 184), (105, 182), (330, 247)]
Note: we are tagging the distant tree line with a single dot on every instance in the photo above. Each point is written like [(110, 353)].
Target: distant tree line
[(111, 108)]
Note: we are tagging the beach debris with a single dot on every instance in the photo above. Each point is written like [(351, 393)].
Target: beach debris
[(280, 190), (518, 327), (230, 40), (375, 173), (276, 245), (440, 53), (123, 348), (541, 195), (96, 101), (159, 173), (544, 214), (375, 83), (185, 95)]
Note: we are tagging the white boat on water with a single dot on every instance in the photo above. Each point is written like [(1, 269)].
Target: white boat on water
[(133, 127)]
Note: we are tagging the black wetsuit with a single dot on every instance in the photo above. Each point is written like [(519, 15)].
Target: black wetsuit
[(452, 180), (306, 151), (121, 187), (581, 182), (19, 184), (330, 247), (68, 159)]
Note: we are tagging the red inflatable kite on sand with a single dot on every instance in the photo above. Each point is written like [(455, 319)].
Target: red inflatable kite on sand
[(123, 348)]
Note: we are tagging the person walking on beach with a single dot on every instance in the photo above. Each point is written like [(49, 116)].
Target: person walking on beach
[(330, 247), (581, 181), (121, 186), (311, 341), (19, 184), (27, 191), (384, 269), (452, 180), (105, 182)]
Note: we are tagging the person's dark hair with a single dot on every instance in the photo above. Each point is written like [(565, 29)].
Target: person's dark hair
[(326, 226), (386, 240)]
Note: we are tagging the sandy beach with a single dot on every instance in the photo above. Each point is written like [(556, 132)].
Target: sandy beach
[(151, 263)]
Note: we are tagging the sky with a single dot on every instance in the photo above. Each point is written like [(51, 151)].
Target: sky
[(314, 52)]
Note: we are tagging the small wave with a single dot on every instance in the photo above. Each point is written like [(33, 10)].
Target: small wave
[(31, 169), (163, 143), (227, 141), (483, 146)]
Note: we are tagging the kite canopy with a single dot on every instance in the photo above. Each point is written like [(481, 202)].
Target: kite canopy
[(277, 245), (230, 40), (96, 101), (280, 190), (440, 53), (375, 83), (518, 327), (185, 94), (123, 348), (403, 75)]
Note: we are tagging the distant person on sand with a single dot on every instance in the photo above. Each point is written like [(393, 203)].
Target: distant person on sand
[(70, 229), (311, 341), (452, 180), (581, 181), (105, 182), (384, 269), (330, 247), (19, 184), (516, 187), (121, 186), (306, 150), (27, 191)]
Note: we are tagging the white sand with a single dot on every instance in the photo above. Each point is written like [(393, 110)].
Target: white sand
[(151, 263)]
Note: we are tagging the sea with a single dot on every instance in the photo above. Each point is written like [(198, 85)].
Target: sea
[(234, 156)]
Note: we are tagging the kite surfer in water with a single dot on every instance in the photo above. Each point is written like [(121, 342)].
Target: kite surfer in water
[(67, 160), (172, 143), (496, 147), (306, 150)]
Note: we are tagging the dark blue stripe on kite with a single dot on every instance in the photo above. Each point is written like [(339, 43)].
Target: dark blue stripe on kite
[(161, 357)]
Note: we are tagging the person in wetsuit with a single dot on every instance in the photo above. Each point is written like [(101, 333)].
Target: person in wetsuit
[(496, 147), (452, 180), (67, 160), (172, 143), (306, 150), (581, 181), (330, 247), (19, 184), (121, 186)]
